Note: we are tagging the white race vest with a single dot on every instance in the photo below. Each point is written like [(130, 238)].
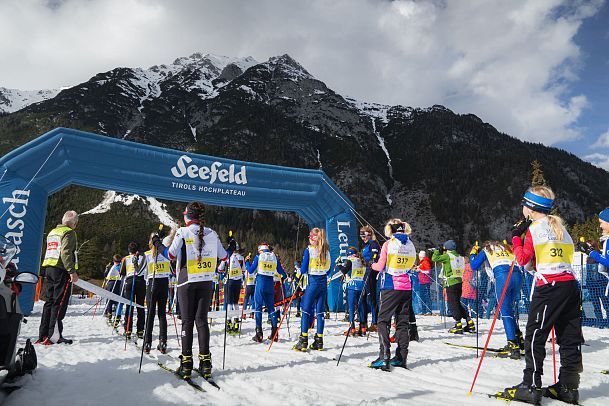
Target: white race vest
[(457, 265), (235, 267), (552, 256), (203, 268), (400, 257), (267, 264), (114, 273), (358, 269), (317, 266), (130, 266), (163, 266), (498, 257)]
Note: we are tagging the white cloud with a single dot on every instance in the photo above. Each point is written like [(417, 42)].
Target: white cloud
[(598, 159), (602, 141), (510, 62)]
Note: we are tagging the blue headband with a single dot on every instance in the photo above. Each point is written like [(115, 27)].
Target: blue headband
[(351, 252), (537, 203), (604, 215)]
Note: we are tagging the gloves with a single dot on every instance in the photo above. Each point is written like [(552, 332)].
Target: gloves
[(338, 260), (584, 247), (249, 257), (440, 250), (158, 244), (521, 227), (475, 249)]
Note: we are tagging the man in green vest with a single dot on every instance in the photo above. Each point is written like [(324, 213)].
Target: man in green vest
[(60, 265)]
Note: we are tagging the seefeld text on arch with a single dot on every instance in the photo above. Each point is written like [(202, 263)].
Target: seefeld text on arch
[(213, 173)]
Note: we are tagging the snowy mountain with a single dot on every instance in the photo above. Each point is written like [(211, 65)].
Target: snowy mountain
[(450, 175), (12, 100), (157, 208)]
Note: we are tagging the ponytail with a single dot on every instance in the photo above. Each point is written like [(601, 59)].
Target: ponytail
[(201, 219), (557, 225)]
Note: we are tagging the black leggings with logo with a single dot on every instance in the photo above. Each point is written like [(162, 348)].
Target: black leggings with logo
[(195, 299)]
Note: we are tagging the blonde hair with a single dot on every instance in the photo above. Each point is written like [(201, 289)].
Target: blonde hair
[(368, 229), (321, 243), (389, 233), (556, 223)]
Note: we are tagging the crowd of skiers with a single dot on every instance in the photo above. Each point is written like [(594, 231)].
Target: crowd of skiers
[(184, 268)]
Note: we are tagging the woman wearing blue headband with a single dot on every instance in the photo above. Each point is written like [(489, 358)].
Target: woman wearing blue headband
[(555, 300)]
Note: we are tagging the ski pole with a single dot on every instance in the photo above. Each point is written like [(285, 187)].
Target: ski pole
[(490, 331), (171, 312), (352, 324), (92, 306), (477, 311), (225, 328), (279, 325), (150, 302), (130, 307), (116, 310), (554, 353)]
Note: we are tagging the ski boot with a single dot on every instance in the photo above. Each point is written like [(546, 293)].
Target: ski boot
[(184, 371), (560, 392), (140, 334), (457, 329), (522, 393), (318, 342), (272, 336), (327, 316), (252, 315), (351, 332), (470, 327), (229, 327), (380, 363), (205, 365), (40, 340), (303, 342), (162, 347), (511, 350), (117, 322), (520, 339), (63, 340), (413, 332), (127, 335), (373, 328), (398, 361), (236, 323), (47, 341), (362, 329), (258, 337), (147, 347), (346, 318), (298, 314)]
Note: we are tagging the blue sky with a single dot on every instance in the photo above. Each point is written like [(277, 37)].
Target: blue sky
[(535, 69), (593, 37)]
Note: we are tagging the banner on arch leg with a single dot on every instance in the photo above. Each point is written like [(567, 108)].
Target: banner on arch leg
[(342, 233)]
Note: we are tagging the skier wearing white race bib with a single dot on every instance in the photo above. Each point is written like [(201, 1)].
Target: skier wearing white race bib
[(197, 250), (158, 296), (555, 302), (398, 256), (453, 266), (232, 287)]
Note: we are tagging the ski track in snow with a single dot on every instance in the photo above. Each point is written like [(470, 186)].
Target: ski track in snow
[(95, 370)]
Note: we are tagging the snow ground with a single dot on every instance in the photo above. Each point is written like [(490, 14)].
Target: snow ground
[(95, 370)]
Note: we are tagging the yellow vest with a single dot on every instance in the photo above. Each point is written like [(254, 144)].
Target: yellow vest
[(53, 252)]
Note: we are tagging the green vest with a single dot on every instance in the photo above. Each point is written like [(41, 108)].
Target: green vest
[(53, 253)]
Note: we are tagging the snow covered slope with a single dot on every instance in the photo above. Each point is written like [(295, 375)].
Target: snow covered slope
[(157, 208), (13, 99), (96, 370)]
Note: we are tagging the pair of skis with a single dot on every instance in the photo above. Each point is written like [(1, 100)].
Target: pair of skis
[(189, 381)]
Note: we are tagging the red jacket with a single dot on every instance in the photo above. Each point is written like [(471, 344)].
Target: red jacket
[(425, 271)]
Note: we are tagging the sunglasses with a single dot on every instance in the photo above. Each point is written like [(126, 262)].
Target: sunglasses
[(365, 234), (313, 237)]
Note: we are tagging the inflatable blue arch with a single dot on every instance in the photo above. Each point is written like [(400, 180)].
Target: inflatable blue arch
[(63, 157)]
